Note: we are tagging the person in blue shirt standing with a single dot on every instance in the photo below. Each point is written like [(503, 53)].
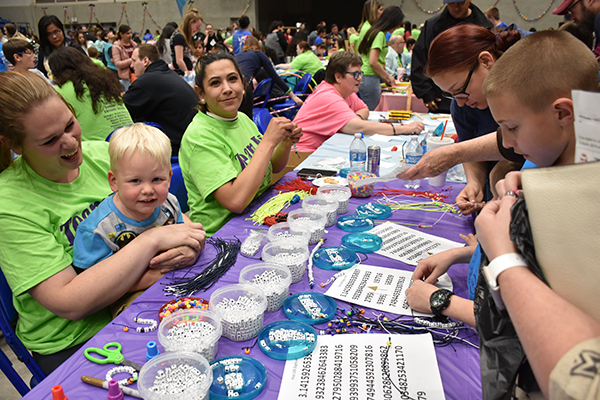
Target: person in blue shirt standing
[(239, 36)]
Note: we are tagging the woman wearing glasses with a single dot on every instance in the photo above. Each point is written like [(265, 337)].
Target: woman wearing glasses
[(334, 106), (52, 36)]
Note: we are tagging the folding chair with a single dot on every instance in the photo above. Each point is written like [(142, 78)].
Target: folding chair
[(289, 107)]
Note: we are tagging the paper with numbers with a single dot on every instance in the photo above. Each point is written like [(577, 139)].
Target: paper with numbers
[(349, 367), (409, 245), (379, 288)]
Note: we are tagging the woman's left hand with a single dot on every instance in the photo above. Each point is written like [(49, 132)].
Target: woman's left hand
[(296, 99), (493, 227), (418, 294), (280, 128)]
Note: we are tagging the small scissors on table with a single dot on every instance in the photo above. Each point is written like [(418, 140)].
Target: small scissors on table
[(112, 355)]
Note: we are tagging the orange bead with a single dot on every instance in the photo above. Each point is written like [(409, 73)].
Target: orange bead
[(126, 329), (247, 350)]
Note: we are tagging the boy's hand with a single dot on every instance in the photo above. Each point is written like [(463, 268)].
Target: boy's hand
[(493, 227), (418, 294), (511, 182), (471, 239), (433, 267)]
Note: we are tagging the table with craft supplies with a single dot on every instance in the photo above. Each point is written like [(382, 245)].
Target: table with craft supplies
[(341, 364), (396, 100)]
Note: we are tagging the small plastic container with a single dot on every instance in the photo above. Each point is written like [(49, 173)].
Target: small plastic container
[(287, 340), (355, 223), (341, 193), (335, 258), (284, 232), (327, 205), (312, 219), (191, 329), (237, 377), (273, 279), (193, 384), (242, 310), (360, 190), (374, 210), (362, 242), (310, 307), (181, 303), (292, 255)]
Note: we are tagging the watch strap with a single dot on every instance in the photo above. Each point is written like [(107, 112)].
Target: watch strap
[(495, 268), (437, 309)]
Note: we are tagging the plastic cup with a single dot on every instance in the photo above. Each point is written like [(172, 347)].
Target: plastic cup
[(341, 193), (401, 72), (273, 279), (433, 143), (152, 371), (327, 205), (284, 232), (314, 220), (292, 255)]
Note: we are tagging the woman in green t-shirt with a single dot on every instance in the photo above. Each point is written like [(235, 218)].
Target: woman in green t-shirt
[(373, 50), (305, 61)]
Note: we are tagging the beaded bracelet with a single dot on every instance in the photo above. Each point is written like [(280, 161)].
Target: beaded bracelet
[(122, 369)]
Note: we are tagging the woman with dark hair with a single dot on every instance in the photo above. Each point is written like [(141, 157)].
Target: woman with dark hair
[(225, 160), (305, 61), (300, 36), (93, 92), (182, 42), (162, 44), (81, 40), (52, 37), (460, 59), (373, 49), (121, 52)]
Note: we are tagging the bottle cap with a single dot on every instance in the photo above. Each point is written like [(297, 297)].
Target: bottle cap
[(151, 350), (358, 135), (114, 391)]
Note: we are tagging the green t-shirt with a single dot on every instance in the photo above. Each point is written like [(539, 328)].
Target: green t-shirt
[(95, 126), (38, 219), (98, 63), (363, 30), (399, 31), (307, 62), (212, 153), (415, 33), (381, 44)]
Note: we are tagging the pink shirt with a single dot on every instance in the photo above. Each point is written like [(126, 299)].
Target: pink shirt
[(323, 114)]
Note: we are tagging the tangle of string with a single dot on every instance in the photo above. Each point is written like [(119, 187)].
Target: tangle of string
[(227, 251), (275, 204), (295, 184)]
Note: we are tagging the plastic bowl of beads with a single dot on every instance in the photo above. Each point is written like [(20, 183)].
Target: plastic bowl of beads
[(242, 310), (237, 377), (182, 303), (273, 279), (335, 258), (360, 190), (191, 329), (341, 193), (314, 220), (292, 255), (374, 210), (180, 375), (362, 242), (310, 307), (327, 205), (355, 223), (283, 231), (287, 340)]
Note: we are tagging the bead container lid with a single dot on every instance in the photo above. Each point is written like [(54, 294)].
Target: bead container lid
[(355, 223), (287, 340), (362, 242), (335, 258), (310, 307), (253, 374), (374, 210)]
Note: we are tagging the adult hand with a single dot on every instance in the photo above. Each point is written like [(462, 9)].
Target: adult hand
[(432, 105), (469, 199), (433, 267), (389, 80), (511, 182), (296, 99), (413, 127), (175, 258), (433, 163), (492, 226), (173, 241), (418, 294), (280, 128)]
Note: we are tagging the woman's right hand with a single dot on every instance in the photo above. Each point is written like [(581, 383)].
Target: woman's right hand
[(169, 237), (389, 80), (280, 128)]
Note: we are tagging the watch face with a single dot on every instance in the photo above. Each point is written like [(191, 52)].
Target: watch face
[(438, 298)]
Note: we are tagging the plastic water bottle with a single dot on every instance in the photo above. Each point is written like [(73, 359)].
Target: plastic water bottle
[(358, 154), (412, 155)]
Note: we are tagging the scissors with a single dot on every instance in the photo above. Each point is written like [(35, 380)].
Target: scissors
[(111, 353)]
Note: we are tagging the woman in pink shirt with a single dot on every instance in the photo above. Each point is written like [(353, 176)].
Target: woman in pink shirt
[(335, 107)]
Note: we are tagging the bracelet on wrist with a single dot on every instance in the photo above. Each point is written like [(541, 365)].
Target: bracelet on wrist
[(394, 129)]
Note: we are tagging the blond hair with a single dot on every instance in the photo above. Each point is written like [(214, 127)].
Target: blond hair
[(141, 138), (20, 92), (192, 15), (541, 68)]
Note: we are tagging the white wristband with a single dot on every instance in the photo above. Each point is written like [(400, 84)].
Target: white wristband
[(495, 268)]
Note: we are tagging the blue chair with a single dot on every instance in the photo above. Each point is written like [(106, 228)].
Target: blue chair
[(263, 90), (300, 89), (178, 187), (7, 315), (261, 118)]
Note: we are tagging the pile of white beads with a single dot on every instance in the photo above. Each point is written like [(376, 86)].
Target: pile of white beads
[(285, 335), (326, 205), (242, 319), (253, 243), (270, 282), (233, 377), (184, 333), (313, 219), (177, 379), (312, 309), (294, 261), (341, 193), (292, 255), (283, 231)]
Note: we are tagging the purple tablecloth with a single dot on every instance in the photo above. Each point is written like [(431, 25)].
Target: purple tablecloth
[(458, 364)]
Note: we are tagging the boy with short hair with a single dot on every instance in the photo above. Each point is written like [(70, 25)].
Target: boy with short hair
[(21, 54), (140, 174)]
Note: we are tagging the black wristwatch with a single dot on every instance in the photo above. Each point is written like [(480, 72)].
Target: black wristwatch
[(439, 301)]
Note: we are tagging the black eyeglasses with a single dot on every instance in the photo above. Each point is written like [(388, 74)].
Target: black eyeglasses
[(462, 93), (568, 10), (357, 74)]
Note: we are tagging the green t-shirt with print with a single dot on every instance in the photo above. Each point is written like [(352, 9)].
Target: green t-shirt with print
[(381, 44), (307, 62), (95, 126), (38, 220), (212, 153)]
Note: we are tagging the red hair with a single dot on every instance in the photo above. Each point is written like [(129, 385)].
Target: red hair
[(459, 47)]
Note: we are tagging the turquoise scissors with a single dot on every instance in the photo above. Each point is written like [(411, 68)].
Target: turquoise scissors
[(112, 355)]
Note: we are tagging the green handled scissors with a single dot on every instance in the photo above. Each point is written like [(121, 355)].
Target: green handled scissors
[(112, 355)]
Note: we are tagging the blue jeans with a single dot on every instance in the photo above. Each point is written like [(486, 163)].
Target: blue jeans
[(370, 90)]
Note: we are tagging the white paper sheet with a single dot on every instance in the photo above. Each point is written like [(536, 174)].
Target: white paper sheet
[(587, 126), (349, 367)]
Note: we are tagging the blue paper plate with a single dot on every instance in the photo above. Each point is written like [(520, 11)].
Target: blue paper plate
[(310, 307), (287, 340), (355, 223), (374, 210), (362, 242), (335, 258), (253, 372)]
